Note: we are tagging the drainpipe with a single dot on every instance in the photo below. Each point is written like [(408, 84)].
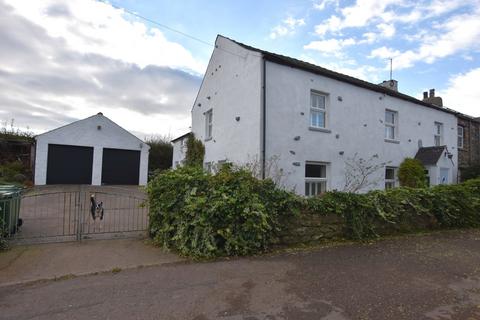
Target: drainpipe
[(263, 116)]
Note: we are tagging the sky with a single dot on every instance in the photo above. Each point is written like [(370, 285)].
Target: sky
[(61, 61)]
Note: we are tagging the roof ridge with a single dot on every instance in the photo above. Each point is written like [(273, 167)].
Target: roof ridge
[(300, 64)]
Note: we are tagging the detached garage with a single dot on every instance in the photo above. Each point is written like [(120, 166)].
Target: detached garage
[(93, 151)]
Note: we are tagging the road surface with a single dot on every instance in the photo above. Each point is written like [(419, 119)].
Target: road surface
[(433, 276)]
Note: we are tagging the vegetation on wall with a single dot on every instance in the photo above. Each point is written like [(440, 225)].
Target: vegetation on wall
[(402, 209), (203, 215), (161, 153), (195, 152), (411, 173), (232, 213)]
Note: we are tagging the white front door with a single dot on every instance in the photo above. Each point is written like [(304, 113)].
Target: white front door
[(444, 174)]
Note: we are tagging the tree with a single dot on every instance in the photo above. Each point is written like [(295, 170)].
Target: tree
[(359, 172), (411, 173), (161, 153), (195, 152)]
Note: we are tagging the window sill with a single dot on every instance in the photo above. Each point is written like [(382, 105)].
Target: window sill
[(208, 139), (320, 129), (392, 141)]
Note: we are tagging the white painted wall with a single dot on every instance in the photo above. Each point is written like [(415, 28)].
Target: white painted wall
[(231, 88), (85, 133), (179, 150), (356, 125)]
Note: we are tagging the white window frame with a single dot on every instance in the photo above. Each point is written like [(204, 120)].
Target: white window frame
[(208, 124), (393, 125), (438, 136), (391, 183), (316, 181), (460, 137), (317, 110)]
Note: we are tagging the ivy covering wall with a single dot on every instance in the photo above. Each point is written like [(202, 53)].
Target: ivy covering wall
[(231, 213)]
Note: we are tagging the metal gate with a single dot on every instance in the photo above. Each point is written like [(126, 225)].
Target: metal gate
[(68, 213)]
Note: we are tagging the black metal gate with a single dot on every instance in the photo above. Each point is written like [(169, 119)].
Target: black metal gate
[(68, 213)]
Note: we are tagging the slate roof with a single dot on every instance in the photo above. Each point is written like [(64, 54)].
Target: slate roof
[(181, 137), (429, 155), (299, 64)]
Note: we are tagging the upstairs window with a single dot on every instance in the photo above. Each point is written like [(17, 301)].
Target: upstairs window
[(315, 179), (208, 124), (318, 110), (438, 136), (390, 174), (391, 124), (460, 132)]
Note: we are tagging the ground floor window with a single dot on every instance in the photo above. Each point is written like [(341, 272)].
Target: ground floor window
[(315, 178), (390, 180)]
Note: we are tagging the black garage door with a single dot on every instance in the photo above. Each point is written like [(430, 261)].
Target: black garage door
[(120, 166), (69, 164)]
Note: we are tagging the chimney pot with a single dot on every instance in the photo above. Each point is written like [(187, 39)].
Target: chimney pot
[(432, 93), (425, 95)]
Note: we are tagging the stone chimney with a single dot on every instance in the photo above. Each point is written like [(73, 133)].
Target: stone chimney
[(390, 84), (429, 97)]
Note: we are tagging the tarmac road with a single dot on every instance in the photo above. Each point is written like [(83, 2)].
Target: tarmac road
[(433, 276)]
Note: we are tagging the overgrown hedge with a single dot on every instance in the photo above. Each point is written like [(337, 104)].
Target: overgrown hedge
[(203, 215), (402, 209), (231, 213)]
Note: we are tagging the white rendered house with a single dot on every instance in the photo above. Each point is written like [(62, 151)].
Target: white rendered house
[(257, 107)]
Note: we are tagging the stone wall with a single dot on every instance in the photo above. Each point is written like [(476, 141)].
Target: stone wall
[(310, 227), (470, 153)]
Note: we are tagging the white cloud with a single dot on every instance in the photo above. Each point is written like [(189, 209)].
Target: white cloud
[(330, 46), (386, 13), (457, 34), (463, 94), (324, 3), (51, 77), (386, 30), (384, 53), (287, 27), (89, 26)]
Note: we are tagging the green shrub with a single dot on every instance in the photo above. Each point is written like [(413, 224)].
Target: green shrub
[(160, 153), (402, 209), (3, 234), (227, 214), (468, 173), (411, 173), (195, 151)]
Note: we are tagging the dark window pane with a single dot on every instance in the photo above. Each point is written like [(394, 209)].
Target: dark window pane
[(390, 174), (315, 171)]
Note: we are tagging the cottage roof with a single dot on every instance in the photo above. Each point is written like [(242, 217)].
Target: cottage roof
[(299, 64), (429, 156)]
